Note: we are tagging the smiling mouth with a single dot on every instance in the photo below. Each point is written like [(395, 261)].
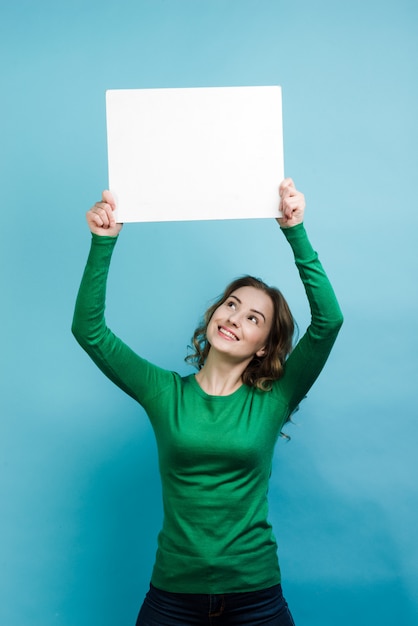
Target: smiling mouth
[(227, 333)]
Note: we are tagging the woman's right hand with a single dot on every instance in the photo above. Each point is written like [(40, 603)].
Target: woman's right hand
[(101, 219)]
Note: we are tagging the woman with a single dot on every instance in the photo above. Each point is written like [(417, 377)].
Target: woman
[(216, 430)]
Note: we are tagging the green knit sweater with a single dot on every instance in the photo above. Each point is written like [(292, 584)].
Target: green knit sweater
[(215, 452)]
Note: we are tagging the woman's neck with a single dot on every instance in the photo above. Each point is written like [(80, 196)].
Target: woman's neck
[(220, 378)]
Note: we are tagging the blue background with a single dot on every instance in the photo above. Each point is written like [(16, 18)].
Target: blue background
[(80, 495)]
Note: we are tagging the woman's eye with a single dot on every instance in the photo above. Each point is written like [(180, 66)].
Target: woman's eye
[(253, 319), (231, 304)]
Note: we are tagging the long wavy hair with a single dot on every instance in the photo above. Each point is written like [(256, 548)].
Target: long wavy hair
[(261, 371)]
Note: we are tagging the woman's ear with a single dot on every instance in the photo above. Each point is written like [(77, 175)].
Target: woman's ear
[(261, 352)]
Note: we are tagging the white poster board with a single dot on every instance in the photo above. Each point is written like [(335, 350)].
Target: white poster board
[(195, 153)]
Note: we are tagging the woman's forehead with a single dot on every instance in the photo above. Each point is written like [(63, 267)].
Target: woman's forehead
[(254, 298)]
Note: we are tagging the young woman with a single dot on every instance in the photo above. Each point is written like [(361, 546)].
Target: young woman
[(216, 430)]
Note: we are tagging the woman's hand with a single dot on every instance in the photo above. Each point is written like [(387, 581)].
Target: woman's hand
[(101, 219), (292, 204)]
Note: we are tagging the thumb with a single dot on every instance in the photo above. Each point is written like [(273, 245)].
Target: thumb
[(107, 197)]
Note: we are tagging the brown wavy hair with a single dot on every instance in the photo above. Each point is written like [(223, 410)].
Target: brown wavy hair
[(261, 371)]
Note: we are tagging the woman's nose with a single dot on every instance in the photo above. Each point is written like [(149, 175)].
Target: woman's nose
[(233, 318)]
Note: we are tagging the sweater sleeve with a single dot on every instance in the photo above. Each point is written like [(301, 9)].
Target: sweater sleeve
[(133, 374), (306, 361)]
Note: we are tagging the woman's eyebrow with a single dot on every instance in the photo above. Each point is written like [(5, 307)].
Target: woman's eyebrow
[(252, 310)]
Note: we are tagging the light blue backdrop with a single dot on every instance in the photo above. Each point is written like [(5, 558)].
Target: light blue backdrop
[(80, 496)]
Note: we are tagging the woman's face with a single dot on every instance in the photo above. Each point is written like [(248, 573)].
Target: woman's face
[(240, 326)]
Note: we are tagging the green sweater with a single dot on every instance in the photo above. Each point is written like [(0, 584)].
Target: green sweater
[(215, 452)]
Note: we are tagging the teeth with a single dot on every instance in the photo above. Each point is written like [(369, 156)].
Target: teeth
[(227, 333)]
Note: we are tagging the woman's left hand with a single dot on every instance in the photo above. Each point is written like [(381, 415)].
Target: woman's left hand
[(292, 204)]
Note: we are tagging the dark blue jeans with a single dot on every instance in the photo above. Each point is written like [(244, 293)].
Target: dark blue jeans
[(163, 608)]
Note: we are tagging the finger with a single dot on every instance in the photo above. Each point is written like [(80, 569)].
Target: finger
[(104, 212), (109, 203), (94, 218), (97, 220), (103, 205), (296, 201), (287, 212), (291, 210), (108, 198), (287, 204), (286, 184), (293, 195)]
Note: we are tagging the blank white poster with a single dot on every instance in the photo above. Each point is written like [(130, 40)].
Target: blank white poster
[(195, 153)]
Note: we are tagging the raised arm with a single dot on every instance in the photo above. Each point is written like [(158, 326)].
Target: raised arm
[(122, 365), (310, 354)]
